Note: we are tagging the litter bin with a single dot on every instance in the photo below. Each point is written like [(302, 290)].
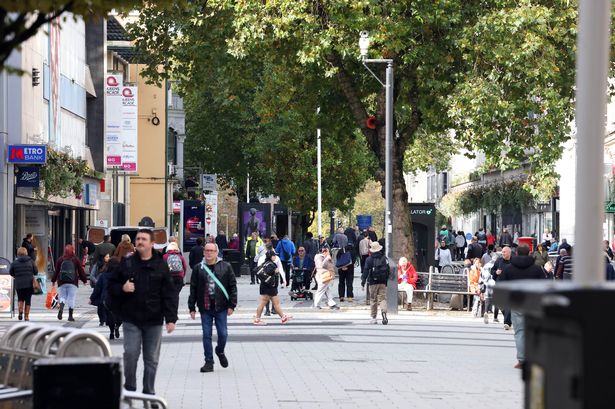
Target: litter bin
[(234, 258), (569, 354), (529, 241)]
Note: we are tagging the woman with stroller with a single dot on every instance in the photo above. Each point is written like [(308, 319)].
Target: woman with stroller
[(406, 280), (269, 291), (99, 296)]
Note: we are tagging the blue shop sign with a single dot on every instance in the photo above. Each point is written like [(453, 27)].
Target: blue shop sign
[(28, 176), (33, 154)]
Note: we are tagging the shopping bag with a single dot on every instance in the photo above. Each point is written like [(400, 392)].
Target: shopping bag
[(42, 281), (50, 298)]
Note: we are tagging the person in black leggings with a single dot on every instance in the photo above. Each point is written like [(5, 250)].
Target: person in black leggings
[(23, 270)]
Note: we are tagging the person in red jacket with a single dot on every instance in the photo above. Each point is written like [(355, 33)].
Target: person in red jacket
[(68, 272), (406, 279)]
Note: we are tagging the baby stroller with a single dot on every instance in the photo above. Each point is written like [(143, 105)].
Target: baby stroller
[(300, 284)]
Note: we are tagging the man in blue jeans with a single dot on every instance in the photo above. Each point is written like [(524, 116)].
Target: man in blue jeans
[(521, 267), (213, 289), (142, 293)]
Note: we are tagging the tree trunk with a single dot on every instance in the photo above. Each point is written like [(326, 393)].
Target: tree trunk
[(402, 243)]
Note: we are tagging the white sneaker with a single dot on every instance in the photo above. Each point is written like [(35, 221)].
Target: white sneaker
[(506, 327), (373, 321), (486, 318)]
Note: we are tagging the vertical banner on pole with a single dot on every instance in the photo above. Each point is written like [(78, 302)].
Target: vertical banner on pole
[(129, 135), (211, 214), (113, 121)]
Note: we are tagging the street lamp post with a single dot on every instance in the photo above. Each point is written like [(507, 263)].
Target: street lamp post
[(319, 171), (364, 42)]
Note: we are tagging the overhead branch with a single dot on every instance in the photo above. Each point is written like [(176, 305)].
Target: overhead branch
[(18, 33)]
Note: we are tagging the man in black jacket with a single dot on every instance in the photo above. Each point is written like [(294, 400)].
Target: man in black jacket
[(497, 269), (196, 253), (475, 250), (217, 280), (521, 267), (141, 291)]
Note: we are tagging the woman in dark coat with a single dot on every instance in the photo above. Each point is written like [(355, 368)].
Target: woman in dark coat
[(99, 297), (23, 270)]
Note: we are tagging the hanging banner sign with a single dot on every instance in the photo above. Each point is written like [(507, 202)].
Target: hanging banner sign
[(113, 121), (211, 214), (28, 176), (130, 120)]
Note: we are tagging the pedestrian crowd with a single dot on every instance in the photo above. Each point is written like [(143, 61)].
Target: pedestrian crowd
[(137, 287)]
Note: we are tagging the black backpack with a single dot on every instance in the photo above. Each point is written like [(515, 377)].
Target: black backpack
[(67, 271), (380, 272)]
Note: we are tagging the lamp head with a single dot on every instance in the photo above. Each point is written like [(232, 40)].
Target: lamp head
[(364, 43)]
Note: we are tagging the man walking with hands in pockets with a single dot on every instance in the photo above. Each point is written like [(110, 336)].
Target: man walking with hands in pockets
[(213, 288), (142, 293)]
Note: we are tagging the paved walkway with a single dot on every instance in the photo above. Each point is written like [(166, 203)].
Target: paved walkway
[(332, 359)]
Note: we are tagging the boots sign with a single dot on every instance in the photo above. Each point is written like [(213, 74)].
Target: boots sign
[(30, 154), (28, 176)]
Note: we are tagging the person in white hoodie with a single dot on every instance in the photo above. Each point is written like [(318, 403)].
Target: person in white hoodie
[(443, 255)]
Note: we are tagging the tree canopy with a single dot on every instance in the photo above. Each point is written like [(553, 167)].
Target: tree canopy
[(490, 75)]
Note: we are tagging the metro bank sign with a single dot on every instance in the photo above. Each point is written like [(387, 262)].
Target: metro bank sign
[(34, 154)]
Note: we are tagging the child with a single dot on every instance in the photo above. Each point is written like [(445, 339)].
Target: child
[(474, 278), (486, 288)]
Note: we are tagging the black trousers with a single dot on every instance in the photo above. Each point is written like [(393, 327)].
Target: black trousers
[(344, 288), (286, 265), (25, 294), (252, 264), (363, 259), (506, 313), (113, 322)]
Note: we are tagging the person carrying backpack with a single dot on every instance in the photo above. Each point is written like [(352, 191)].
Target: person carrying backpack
[(376, 275), (68, 272), (177, 265)]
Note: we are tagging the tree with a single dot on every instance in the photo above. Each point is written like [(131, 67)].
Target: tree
[(20, 20), (253, 116), (443, 73)]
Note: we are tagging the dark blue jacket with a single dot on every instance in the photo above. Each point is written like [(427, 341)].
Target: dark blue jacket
[(99, 295), (308, 263)]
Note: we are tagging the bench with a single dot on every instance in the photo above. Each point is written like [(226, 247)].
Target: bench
[(436, 283), (25, 343), (422, 285)]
